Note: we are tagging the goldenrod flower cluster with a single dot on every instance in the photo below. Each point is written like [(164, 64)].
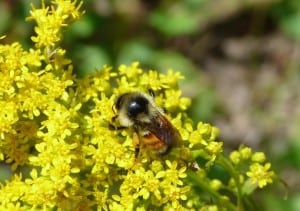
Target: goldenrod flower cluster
[(55, 127)]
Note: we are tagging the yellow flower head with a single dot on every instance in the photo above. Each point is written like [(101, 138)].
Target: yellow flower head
[(59, 129), (260, 174), (50, 20)]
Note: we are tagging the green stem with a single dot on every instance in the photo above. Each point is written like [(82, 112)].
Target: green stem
[(204, 185), (223, 161)]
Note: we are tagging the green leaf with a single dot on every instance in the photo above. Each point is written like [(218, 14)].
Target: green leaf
[(290, 25), (82, 28), (165, 60), (89, 59), (173, 23), (136, 51)]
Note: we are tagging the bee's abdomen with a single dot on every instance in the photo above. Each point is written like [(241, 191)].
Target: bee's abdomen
[(154, 143)]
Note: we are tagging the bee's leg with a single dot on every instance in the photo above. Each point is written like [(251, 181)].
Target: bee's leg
[(136, 144), (137, 151), (113, 119), (113, 127)]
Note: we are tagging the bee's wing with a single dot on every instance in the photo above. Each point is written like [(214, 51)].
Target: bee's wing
[(161, 127)]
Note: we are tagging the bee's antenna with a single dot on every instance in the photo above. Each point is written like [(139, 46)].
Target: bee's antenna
[(151, 92)]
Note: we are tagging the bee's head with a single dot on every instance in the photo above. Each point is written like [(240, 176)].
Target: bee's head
[(137, 105), (134, 104), (133, 107)]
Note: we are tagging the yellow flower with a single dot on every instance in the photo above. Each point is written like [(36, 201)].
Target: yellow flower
[(170, 79), (245, 152), (59, 123), (183, 125), (156, 166), (173, 100), (11, 60), (12, 191), (173, 174), (56, 126), (258, 157), (235, 157), (214, 147), (209, 208), (8, 116), (151, 185), (151, 79), (50, 20), (260, 174), (69, 9), (33, 58), (17, 150)]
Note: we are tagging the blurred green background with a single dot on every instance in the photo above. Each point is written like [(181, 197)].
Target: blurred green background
[(241, 61)]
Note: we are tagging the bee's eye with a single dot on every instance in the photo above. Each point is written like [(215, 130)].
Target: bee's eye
[(137, 106)]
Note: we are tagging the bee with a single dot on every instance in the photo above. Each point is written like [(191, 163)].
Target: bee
[(152, 130)]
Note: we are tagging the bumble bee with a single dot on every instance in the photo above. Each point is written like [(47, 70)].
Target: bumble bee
[(152, 130)]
